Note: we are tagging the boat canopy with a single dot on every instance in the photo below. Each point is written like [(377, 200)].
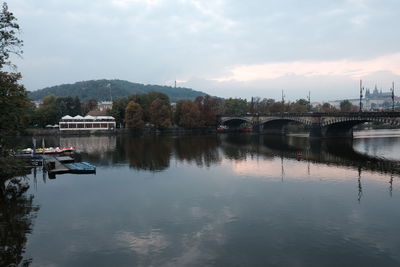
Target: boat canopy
[(67, 117)]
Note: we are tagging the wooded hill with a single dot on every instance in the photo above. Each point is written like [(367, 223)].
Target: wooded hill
[(100, 90)]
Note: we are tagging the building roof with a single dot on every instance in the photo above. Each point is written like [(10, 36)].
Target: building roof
[(87, 117), (105, 117), (97, 113)]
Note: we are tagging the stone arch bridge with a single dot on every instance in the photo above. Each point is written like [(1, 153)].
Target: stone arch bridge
[(321, 125)]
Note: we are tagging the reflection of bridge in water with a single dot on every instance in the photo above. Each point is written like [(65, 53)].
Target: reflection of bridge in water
[(329, 152), (320, 124), (156, 153)]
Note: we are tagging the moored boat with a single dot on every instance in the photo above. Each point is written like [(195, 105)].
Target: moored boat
[(49, 150)]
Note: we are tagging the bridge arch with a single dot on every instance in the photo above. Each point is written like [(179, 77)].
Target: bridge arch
[(343, 126), (358, 120), (235, 122), (287, 120), (278, 125)]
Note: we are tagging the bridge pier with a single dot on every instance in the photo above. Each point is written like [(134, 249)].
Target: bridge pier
[(256, 128), (275, 127), (274, 130), (317, 131)]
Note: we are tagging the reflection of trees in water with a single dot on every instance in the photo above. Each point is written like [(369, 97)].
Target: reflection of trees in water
[(16, 218), (360, 192), (148, 153), (239, 147), (203, 151), (154, 153)]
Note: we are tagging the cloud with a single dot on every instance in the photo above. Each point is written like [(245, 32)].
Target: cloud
[(355, 69), (144, 244), (125, 3), (153, 41)]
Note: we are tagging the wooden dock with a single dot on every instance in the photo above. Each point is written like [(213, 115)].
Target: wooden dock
[(60, 165)]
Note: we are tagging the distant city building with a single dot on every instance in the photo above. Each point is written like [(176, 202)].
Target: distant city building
[(377, 100), (37, 103), (104, 105), (377, 94), (92, 123)]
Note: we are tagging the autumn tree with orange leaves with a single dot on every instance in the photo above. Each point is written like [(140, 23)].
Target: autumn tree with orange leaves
[(160, 113)]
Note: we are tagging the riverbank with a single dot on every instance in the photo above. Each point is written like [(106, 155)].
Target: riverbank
[(121, 131)]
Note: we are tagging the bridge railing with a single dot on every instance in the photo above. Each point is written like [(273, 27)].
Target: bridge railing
[(317, 114)]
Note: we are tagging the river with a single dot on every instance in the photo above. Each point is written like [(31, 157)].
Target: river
[(227, 200)]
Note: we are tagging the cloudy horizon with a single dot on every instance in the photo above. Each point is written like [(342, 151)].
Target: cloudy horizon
[(224, 48)]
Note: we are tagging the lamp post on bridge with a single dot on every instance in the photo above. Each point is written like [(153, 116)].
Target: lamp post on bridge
[(361, 95), (392, 89), (283, 102)]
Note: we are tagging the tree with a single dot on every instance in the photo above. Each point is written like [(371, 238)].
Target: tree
[(134, 116), (277, 107), (16, 208), (118, 110), (49, 112), (346, 106), (69, 105), (236, 106), (160, 113), (190, 115), (9, 42), (49, 99), (89, 105), (177, 111), (265, 105), (209, 108), (16, 107), (145, 101), (300, 106), (326, 107)]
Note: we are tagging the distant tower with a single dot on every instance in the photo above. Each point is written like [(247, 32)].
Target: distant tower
[(367, 93), (361, 95), (109, 87), (375, 93), (175, 83), (392, 89)]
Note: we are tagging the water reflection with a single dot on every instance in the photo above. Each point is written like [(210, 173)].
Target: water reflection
[(229, 200), (16, 220), (156, 153)]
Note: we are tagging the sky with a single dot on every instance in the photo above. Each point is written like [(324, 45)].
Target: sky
[(226, 48)]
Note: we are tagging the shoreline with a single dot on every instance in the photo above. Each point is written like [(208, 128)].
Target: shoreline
[(120, 131)]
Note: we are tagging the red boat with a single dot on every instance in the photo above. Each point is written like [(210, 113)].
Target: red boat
[(246, 130)]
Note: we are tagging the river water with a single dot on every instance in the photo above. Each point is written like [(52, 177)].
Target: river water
[(227, 200)]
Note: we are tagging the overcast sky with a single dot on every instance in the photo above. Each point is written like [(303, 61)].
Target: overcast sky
[(227, 48)]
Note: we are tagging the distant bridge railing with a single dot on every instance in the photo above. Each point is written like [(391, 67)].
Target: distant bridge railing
[(317, 114)]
